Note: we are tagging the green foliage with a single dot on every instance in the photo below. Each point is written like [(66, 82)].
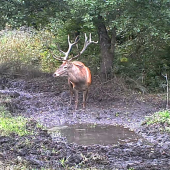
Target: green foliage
[(63, 162), (9, 124), (144, 40), (142, 35), (23, 51), (35, 13), (159, 117)]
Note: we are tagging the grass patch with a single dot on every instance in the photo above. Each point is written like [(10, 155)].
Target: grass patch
[(160, 118), (10, 124), (23, 51)]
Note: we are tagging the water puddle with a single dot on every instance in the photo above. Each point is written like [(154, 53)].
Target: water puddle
[(89, 134)]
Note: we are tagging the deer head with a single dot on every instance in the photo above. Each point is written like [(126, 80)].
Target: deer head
[(67, 64)]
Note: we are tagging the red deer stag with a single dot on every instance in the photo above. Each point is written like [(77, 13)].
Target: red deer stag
[(79, 76)]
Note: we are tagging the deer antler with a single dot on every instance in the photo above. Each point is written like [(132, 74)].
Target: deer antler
[(86, 44), (66, 54), (69, 48)]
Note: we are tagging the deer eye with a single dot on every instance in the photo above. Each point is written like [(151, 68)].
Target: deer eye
[(65, 67)]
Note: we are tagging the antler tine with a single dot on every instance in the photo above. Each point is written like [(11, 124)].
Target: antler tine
[(60, 58), (57, 58), (91, 40), (66, 54), (90, 37), (85, 38), (86, 44), (70, 46)]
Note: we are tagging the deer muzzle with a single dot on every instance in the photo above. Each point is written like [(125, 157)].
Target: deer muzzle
[(56, 75)]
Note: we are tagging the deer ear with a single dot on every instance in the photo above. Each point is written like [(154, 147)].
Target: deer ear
[(79, 64)]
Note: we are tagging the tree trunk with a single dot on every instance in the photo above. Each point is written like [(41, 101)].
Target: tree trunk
[(107, 47)]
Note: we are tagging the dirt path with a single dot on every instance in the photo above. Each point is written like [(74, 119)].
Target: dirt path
[(47, 101)]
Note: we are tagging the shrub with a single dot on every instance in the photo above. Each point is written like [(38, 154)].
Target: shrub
[(22, 51)]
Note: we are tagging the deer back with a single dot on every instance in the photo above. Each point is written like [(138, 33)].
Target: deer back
[(79, 74)]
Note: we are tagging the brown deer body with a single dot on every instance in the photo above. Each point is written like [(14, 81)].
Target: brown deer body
[(79, 76)]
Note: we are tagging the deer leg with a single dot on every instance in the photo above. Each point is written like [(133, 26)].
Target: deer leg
[(76, 99), (71, 95), (85, 93), (71, 91)]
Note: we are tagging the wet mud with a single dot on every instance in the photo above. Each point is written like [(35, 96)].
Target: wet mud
[(46, 100)]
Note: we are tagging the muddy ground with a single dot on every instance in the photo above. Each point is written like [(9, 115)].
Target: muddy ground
[(46, 100)]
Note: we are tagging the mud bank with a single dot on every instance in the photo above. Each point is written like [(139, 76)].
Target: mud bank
[(46, 100)]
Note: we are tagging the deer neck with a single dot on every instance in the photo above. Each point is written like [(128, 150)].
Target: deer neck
[(76, 74)]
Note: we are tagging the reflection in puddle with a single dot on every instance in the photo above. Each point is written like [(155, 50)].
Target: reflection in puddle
[(89, 134)]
